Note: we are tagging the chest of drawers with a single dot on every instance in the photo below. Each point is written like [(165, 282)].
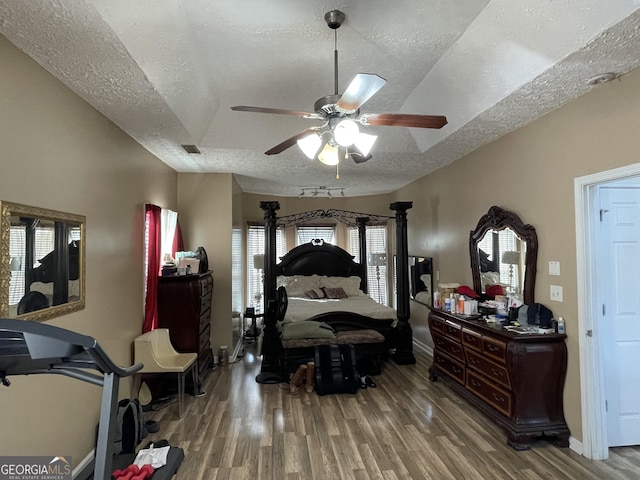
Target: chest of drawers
[(515, 379), (184, 307)]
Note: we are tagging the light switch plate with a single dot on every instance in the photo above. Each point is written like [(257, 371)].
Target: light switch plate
[(554, 268), (556, 293)]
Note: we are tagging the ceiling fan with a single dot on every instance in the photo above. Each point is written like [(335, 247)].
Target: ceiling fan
[(339, 136)]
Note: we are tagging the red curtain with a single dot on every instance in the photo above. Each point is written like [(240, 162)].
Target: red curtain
[(152, 217), (178, 243)]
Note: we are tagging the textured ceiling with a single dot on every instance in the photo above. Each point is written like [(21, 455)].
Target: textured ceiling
[(166, 72)]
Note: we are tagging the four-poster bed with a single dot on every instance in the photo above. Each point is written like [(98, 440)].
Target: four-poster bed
[(331, 263)]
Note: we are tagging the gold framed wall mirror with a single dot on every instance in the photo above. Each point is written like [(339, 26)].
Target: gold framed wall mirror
[(42, 262)]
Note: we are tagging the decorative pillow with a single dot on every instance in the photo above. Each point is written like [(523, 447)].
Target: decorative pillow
[(315, 293), (307, 329), (335, 292), (297, 285), (351, 285)]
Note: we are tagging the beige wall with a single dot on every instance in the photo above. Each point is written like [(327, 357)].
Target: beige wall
[(58, 152), (530, 172), (206, 218)]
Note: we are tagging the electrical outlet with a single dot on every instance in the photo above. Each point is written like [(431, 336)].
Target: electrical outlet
[(554, 268), (556, 293)]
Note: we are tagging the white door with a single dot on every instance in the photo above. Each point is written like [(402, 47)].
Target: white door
[(618, 325)]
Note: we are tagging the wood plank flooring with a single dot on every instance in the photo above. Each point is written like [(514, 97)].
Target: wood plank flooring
[(406, 428)]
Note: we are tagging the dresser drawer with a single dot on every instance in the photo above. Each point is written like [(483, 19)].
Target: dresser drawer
[(205, 320), (206, 285), (498, 398), (436, 324), (497, 373), (205, 303), (453, 330), (472, 339), (454, 349), (495, 349), (204, 338), (450, 366)]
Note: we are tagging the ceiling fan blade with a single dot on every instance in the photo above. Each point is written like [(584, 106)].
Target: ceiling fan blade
[(403, 120), (280, 111), (362, 88), (359, 158), (289, 142)]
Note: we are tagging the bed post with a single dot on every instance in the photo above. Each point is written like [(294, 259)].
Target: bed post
[(270, 371), (404, 334), (362, 242)]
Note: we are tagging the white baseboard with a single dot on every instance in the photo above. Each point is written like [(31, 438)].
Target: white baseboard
[(84, 464), (423, 347)]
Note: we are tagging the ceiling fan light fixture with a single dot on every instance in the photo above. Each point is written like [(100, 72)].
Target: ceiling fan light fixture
[(364, 142), (346, 132), (329, 155), (310, 145)]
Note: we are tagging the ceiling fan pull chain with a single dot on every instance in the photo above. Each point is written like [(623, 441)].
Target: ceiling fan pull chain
[(338, 171)]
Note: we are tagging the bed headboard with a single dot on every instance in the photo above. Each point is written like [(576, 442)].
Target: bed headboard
[(320, 258)]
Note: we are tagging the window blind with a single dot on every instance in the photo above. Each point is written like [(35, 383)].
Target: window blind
[(377, 260)]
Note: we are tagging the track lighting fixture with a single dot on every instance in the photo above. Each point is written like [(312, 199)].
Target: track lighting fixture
[(322, 191)]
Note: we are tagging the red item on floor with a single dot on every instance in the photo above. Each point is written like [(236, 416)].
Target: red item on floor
[(133, 472)]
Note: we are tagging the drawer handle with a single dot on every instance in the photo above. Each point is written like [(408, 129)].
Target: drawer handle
[(497, 373), (492, 348), (439, 342), (456, 370), (440, 360), (456, 349), (475, 361), (498, 398), (474, 383)]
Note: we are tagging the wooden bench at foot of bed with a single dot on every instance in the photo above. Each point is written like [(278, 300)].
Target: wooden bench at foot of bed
[(369, 346)]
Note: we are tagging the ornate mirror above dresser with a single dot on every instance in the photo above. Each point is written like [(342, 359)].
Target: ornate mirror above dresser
[(41, 262), (504, 252)]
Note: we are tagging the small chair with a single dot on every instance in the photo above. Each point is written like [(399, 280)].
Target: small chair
[(155, 351)]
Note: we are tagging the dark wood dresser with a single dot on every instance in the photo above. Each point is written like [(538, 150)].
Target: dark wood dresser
[(516, 379), (184, 307)]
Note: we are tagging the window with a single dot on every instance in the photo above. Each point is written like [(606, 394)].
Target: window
[(255, 262), (44, 239), (508, 243), (306, 233), (377, 263)]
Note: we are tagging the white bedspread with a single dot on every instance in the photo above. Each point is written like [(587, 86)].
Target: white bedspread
[(305, 308)]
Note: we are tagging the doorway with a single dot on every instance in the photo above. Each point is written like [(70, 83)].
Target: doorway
[(593, 357)]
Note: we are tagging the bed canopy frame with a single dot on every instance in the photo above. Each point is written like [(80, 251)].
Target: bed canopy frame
[(271, 368)]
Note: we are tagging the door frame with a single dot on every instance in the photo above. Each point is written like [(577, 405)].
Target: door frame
[(594, 424)]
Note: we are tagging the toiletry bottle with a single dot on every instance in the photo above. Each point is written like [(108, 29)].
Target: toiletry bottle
[(447, 304), (436, 300), (454, 305), (461, 304), (561, 328)]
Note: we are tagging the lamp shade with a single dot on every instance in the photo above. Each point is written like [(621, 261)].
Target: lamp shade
[(310, 145), (15, 264), (329, 155), (511, 258), (346, 133), (364, 142), (258, 261), (377, 259)]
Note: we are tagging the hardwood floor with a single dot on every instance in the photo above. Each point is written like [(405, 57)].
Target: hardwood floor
[(406, 428)]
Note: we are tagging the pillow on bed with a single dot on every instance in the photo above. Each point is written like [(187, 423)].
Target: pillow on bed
[(315, 293), (297, 285), (334, 293), (351, 285), (307, 329)]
